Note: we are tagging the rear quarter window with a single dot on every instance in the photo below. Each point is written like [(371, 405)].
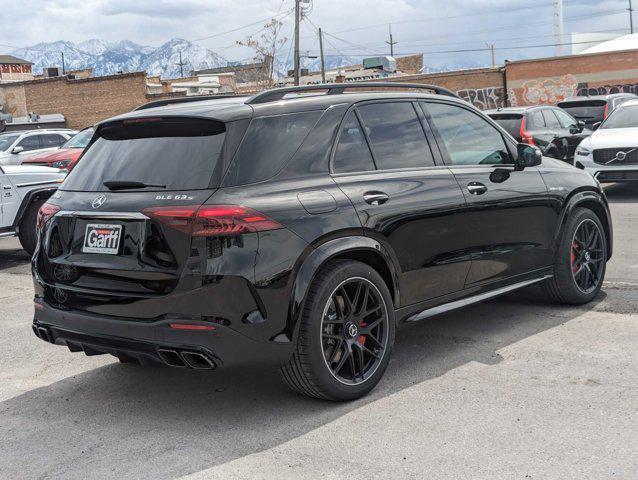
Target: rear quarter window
[(268, 144)]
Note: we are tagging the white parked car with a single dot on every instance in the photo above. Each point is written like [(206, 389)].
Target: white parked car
[(611, 153), (24, 190), (18, 146)]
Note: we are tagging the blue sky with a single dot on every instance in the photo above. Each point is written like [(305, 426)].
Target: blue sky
[(448, 32)]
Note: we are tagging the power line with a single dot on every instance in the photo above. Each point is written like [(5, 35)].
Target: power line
[(517, 26), (285, 14), (467, 50)]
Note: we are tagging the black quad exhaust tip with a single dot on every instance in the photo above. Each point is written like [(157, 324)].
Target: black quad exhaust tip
[(171, 357), (43, 333), (197, 360)]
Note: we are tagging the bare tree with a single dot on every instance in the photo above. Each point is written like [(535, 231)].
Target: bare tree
[(265, 48)]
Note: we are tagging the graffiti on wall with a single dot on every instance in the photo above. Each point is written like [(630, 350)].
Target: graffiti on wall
[(550, 90), (484, 98), (584, 89)]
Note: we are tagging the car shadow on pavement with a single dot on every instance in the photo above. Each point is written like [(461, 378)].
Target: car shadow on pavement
[(12, 258), (622, 192), (128, 421)]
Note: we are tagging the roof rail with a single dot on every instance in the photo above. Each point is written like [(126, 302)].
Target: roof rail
[(338, 88), (194, 98)]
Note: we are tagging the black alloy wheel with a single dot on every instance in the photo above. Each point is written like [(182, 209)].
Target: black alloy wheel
[(354, 330), (346, 333), (581, 260), (587, 256)]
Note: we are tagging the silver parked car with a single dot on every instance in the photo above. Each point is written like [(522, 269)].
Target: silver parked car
[(18, 146)]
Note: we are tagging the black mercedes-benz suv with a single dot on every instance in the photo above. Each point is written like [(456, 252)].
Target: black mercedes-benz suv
[(300, 226)]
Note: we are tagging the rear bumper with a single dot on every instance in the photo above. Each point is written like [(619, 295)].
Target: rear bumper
[(97, 334)]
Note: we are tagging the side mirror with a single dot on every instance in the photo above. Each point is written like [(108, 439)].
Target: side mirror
[(528, 156), (596, 125), (17, 150)]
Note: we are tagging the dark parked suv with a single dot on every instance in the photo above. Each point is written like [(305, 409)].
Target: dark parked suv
[(298, 229), (549, 128)]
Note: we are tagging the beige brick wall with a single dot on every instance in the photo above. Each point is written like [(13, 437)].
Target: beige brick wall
[(12, 99), (86, 101), (481, 87)]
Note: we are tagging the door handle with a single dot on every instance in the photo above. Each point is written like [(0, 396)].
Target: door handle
[(476, 188), (375, 198)]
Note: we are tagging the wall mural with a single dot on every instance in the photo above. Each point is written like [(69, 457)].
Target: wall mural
[(550, 90)]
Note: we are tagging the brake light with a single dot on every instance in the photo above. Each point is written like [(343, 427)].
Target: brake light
[(526, 137), (212, 220), (45, 214), (606, 111)]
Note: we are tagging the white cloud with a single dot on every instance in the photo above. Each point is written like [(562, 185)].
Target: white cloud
[(152, 22)]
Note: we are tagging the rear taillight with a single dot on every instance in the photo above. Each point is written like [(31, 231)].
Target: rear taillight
[(45, 214), (606, 111), (526, 137), (212, 220)]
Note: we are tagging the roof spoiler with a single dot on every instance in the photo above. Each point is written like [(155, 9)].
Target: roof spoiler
[(339, 88), (194, 98)]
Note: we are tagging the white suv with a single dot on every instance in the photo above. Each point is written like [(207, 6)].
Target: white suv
[(18, 146), (24, 190), (610, 154)]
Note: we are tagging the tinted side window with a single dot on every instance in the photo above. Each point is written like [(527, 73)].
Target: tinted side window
[(535, 120), (353, 154), (565, 120), (396, 135), (550, 119), (52, 140), (468, 138), (30, 143), (268, 144)]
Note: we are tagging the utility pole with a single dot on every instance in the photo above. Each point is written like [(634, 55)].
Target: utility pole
[(323, 65), (181, 65), (297, 22), (558, 26), (631, 18), (392, 43), (491, 47), (63, 67)]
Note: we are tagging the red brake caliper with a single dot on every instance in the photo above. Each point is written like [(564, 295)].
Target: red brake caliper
[(362, 338), (573, 256)]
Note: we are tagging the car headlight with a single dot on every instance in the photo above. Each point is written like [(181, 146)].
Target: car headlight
[(583, 152), (60, 163)]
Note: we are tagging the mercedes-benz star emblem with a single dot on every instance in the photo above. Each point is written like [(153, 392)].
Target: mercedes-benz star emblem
[(98, 201), (352, 330)]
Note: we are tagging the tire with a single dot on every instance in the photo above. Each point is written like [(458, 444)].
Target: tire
[(327, 334), (573, 264), (27, 233)]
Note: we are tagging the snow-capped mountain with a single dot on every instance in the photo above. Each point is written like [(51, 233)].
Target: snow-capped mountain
[(108, 58)]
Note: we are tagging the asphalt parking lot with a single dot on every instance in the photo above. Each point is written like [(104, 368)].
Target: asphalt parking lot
[(513, 388)]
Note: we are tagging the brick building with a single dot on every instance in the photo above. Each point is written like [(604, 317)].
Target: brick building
[(14, 69), (82, 101)]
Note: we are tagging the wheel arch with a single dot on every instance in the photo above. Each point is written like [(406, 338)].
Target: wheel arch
[(360, 248), (28, 199), (597, 203)]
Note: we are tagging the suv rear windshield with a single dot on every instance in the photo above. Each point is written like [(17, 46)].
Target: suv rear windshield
[(511, 122), (177, 153), (591, 111)]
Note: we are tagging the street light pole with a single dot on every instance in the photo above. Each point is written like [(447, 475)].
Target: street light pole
[(631, 18)]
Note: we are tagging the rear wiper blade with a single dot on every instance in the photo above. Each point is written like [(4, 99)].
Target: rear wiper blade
[(126, 185)]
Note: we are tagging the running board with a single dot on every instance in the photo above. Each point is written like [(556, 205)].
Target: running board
[(464, 302)]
